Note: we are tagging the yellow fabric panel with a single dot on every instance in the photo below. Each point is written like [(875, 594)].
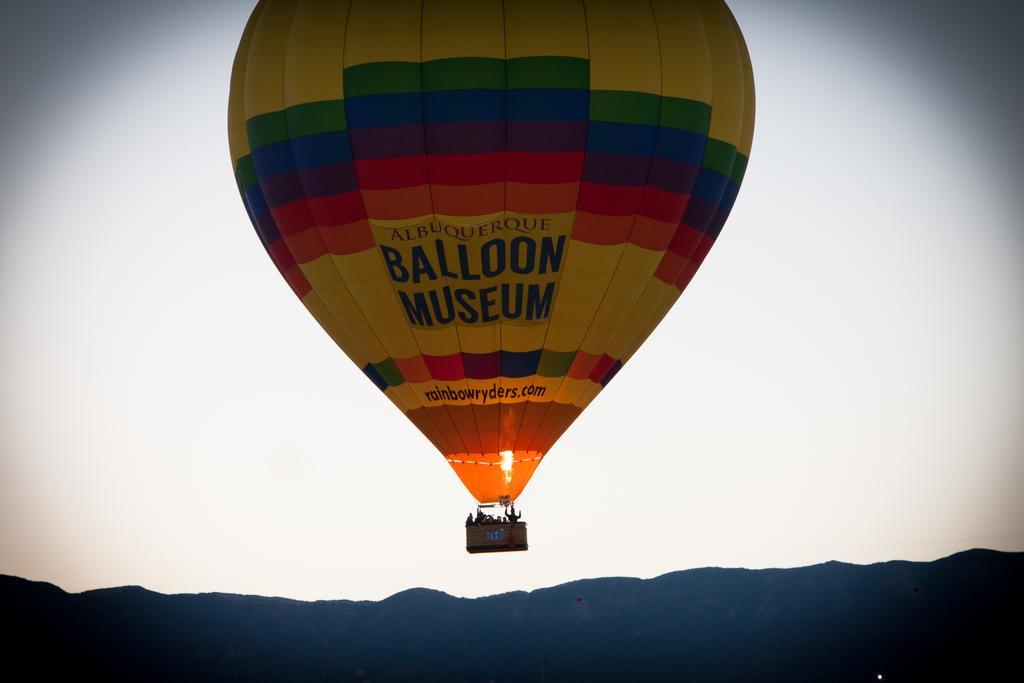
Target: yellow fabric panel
[(570, 388), (639, 261), (622, 295), (593, 258), (747, 134), (683, 43), (523, 337), (238, 138), (455, 28), (265, 68), (341, 304), (564, 337), (360, 266), (647, 326), (588, 393), (396, 399), (365, 278), (320, 272), (578, 297), (635, 269), (369, 20), (542, 27), (726, 72), (313, 59), (647, 306), (318, 309), (480, 339), (404, 397), (436, 341), (377, 301), (623, 46)]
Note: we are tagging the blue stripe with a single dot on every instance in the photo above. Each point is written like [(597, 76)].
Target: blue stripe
[(548, 104), (322, 149), (621, 138), (375, 377), (273, 159), (710, 185), (457, 106), (681, 146), (266, 228), (519, 363), (373, 111), (254, 200)]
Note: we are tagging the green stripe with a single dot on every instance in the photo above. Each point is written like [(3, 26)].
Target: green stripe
[(311, 118), (245, 172), (739, 169), (549, 72), (619, 106), (390, 372), (719, 156), (464, 73), (379, 78), (266, 129), (555, 363), (688, 115), (461, 73)]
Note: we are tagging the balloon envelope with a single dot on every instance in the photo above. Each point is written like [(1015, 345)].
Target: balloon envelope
[(489, 205)]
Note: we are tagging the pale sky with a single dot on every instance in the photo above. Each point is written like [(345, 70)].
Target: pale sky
[(844, 379)]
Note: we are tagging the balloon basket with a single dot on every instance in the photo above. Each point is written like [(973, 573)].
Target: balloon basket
[(496, 537)]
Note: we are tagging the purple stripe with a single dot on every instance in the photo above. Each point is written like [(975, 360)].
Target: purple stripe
[(475, 137), (389, 141), (673, 176), (324, 181), (281, 188), (482, 365), (547, 136), (699, 214), (616, 169), (266, 228)]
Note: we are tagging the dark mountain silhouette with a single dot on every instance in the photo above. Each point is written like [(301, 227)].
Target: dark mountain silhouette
[(960, 618)]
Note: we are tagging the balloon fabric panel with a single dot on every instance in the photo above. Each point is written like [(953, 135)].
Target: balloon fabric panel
[(489, 206)]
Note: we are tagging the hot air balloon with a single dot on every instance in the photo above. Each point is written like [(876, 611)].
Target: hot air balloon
[(490, 205)]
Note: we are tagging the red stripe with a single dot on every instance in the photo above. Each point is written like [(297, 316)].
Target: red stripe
[(392, 173), (545, 167), (292, 217), (348, 239), (448, 368), (663, 205), (280, 255), (306, 245), (685, 240), (582, 365), (601, 368), (337, 209), (466, 169), (297, 281), (610, 200)]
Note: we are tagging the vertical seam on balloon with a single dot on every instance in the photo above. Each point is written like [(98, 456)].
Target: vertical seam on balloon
[(502, 444), (547, 408), (304, 199), (650, 166), (359, 189), (341, 279), (433, 216), (732, 164), (643, 194), (654, 319)]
